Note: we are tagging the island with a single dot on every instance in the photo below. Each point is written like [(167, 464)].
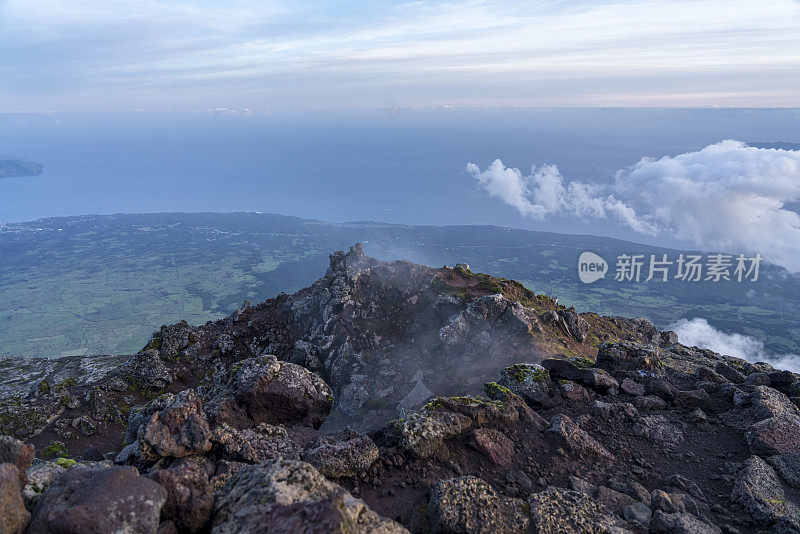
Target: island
[(17, 168)]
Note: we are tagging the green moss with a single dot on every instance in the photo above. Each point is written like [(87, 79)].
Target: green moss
[(44, 387), (66, 383), (55, 448), (66, 463), (496, 391), (582, 362), (521, 372)]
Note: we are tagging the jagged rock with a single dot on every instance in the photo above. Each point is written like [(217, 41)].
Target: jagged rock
[(649, 402), (531, 382), (265, 390), (180, 429), (286, 496), (17, 453), (131, 454), (471, 506), (626, 355), (758, 489), (658, 428), (13, 515), (574, 439), (264, 442), (639, 513), (189, 501), (560, 511), (692, 399), (494, 445), (631, 387), (610, 498), (40, 476), (146, 370), (614, 411), (140, 415), (345, 454), (663, 389), (788, 467), (590, 377), (571, 391), (763, 403), (422, 433), (99, 499), (677, 523), (776, 435)]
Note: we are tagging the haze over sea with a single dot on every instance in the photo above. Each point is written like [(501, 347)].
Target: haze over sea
[(395, 165)]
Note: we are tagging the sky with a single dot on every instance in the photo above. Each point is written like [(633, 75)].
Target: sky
[(92, 55)]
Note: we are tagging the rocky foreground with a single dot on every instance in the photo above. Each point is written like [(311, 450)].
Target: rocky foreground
[(392, 397)]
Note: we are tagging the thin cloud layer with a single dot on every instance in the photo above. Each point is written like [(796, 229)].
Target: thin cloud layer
[(727, 196), (118, 55), (698, 333)]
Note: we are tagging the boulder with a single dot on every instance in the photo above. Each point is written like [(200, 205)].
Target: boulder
[(40, 476), (471, 506), (345, 454), (422, 433), (763, 403), (145, 370), (494, 445), (677, 523), (253, 445), (574, 439), (590, 377), (531, 382), (758, 489), (99, 499), (788, 467), (266, 390), (614, 411), (776, 435), (631, 387), (638, 513), (13, 515), (179, 430), (17, 453), (287, 496), (658, 428), (189, 500), (561, 511)]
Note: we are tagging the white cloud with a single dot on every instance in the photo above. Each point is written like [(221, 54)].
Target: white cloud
[(698, 333), (727, 196)]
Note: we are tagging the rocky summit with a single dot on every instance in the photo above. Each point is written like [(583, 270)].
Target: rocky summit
[(394, 397)]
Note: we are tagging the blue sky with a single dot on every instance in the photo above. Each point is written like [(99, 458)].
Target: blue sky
[(91, 55)]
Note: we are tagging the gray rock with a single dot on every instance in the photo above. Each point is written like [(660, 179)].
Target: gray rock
[(423, 432), (286, 496), (340, 455), (471, 506), (40, 476), (788, 467), (531, 382), (574, 439), (658, 428), (639, 513), (614, 411), (758, 489), (560, 511), (677, 523), (16, 453), (254, 445), (590, 377)]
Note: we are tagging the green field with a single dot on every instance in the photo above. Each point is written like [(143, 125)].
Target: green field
[(103, 284)]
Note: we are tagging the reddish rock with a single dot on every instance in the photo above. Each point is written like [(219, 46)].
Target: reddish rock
[(189, 500), (13, 515), (17, 453), (178, 430), (776, 435), (99, 499), (495, 445)]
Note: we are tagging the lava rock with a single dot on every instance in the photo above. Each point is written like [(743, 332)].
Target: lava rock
[(573, 438), (560, 511), (471, 506), (13, 515), (758, 489), (189, 500), (180, 429), (99, 499), (286, 496), (345, 454), (776, 435)]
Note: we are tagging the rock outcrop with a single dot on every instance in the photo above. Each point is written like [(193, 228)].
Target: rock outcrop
[(393, 397)]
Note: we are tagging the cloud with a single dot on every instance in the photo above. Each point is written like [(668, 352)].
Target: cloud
[(698, 333), (727, 196)]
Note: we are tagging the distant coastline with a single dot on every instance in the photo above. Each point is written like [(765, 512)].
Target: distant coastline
[(19, 168)]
